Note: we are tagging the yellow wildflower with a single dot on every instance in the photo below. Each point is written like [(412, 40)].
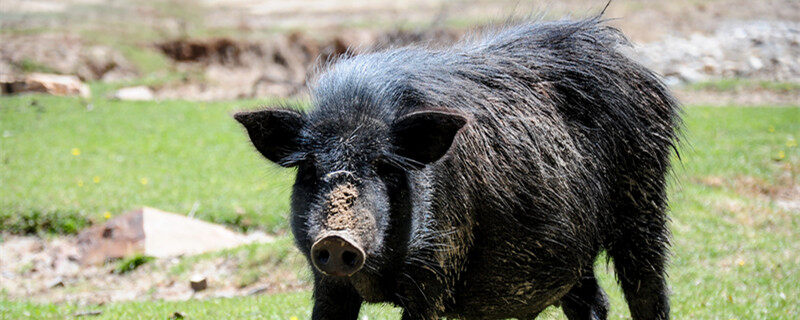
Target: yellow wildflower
[(96, 179), (293, 318), (781, 155), (107, 215), (80, 183), (76, 152), (771, 129), (791, 143), (143, 181)]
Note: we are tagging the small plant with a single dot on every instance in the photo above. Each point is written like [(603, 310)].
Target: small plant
[(25, 268), (248, 277), (129, 264), (28, 65), (35, 221)]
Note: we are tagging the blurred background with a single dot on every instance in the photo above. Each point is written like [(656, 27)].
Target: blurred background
[(127, 190)]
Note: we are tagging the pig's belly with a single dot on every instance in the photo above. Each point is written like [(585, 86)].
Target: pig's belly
[(513, 279)]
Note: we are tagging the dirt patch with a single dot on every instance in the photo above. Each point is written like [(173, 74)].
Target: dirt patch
[(48, 270), (785, 195), (241, 69), (278, 66), (785, 190), (283, 64), (223, 51), (741, 97), (340, 207), (63, 55)]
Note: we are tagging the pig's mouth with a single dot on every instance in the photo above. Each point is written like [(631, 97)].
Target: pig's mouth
[(337, 255)]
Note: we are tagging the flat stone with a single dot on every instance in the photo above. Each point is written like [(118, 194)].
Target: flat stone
[(55, 84), (155, 233), (140, 93)]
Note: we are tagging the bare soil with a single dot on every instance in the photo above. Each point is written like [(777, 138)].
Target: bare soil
[(48, 270), (784, 193), (63, 54), (744, 97)]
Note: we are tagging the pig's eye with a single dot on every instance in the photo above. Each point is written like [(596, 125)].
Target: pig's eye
[(306, 169)]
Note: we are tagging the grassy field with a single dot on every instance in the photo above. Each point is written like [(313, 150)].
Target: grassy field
[(65, 164)]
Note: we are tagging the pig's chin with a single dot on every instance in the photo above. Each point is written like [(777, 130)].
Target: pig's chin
[(368, 286)]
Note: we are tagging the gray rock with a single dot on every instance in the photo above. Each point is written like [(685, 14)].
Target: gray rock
[(755, 63), (765, 50)]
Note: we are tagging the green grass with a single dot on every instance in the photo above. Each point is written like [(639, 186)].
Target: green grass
[(735, 252), (279, 306), (731, 141), (28, 66), (253, 262), (62, 159), (132, 263)]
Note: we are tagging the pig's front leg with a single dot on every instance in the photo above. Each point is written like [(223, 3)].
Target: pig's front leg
[(333, 301)]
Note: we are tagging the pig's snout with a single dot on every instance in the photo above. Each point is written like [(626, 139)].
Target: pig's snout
[(337, 256)]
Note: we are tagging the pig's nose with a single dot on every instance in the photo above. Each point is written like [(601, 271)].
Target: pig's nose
[(337, 256)]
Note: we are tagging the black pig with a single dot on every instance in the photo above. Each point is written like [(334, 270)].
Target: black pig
[(482, 181)]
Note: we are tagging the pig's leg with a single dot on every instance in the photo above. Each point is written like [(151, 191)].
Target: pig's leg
[(586, 300), (640, 250), (334, 301)]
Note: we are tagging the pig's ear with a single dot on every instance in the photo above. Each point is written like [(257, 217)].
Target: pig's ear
[(274, 132), (426, 136)]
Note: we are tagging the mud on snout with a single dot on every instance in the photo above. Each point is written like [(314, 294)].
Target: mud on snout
[(340, 249)]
